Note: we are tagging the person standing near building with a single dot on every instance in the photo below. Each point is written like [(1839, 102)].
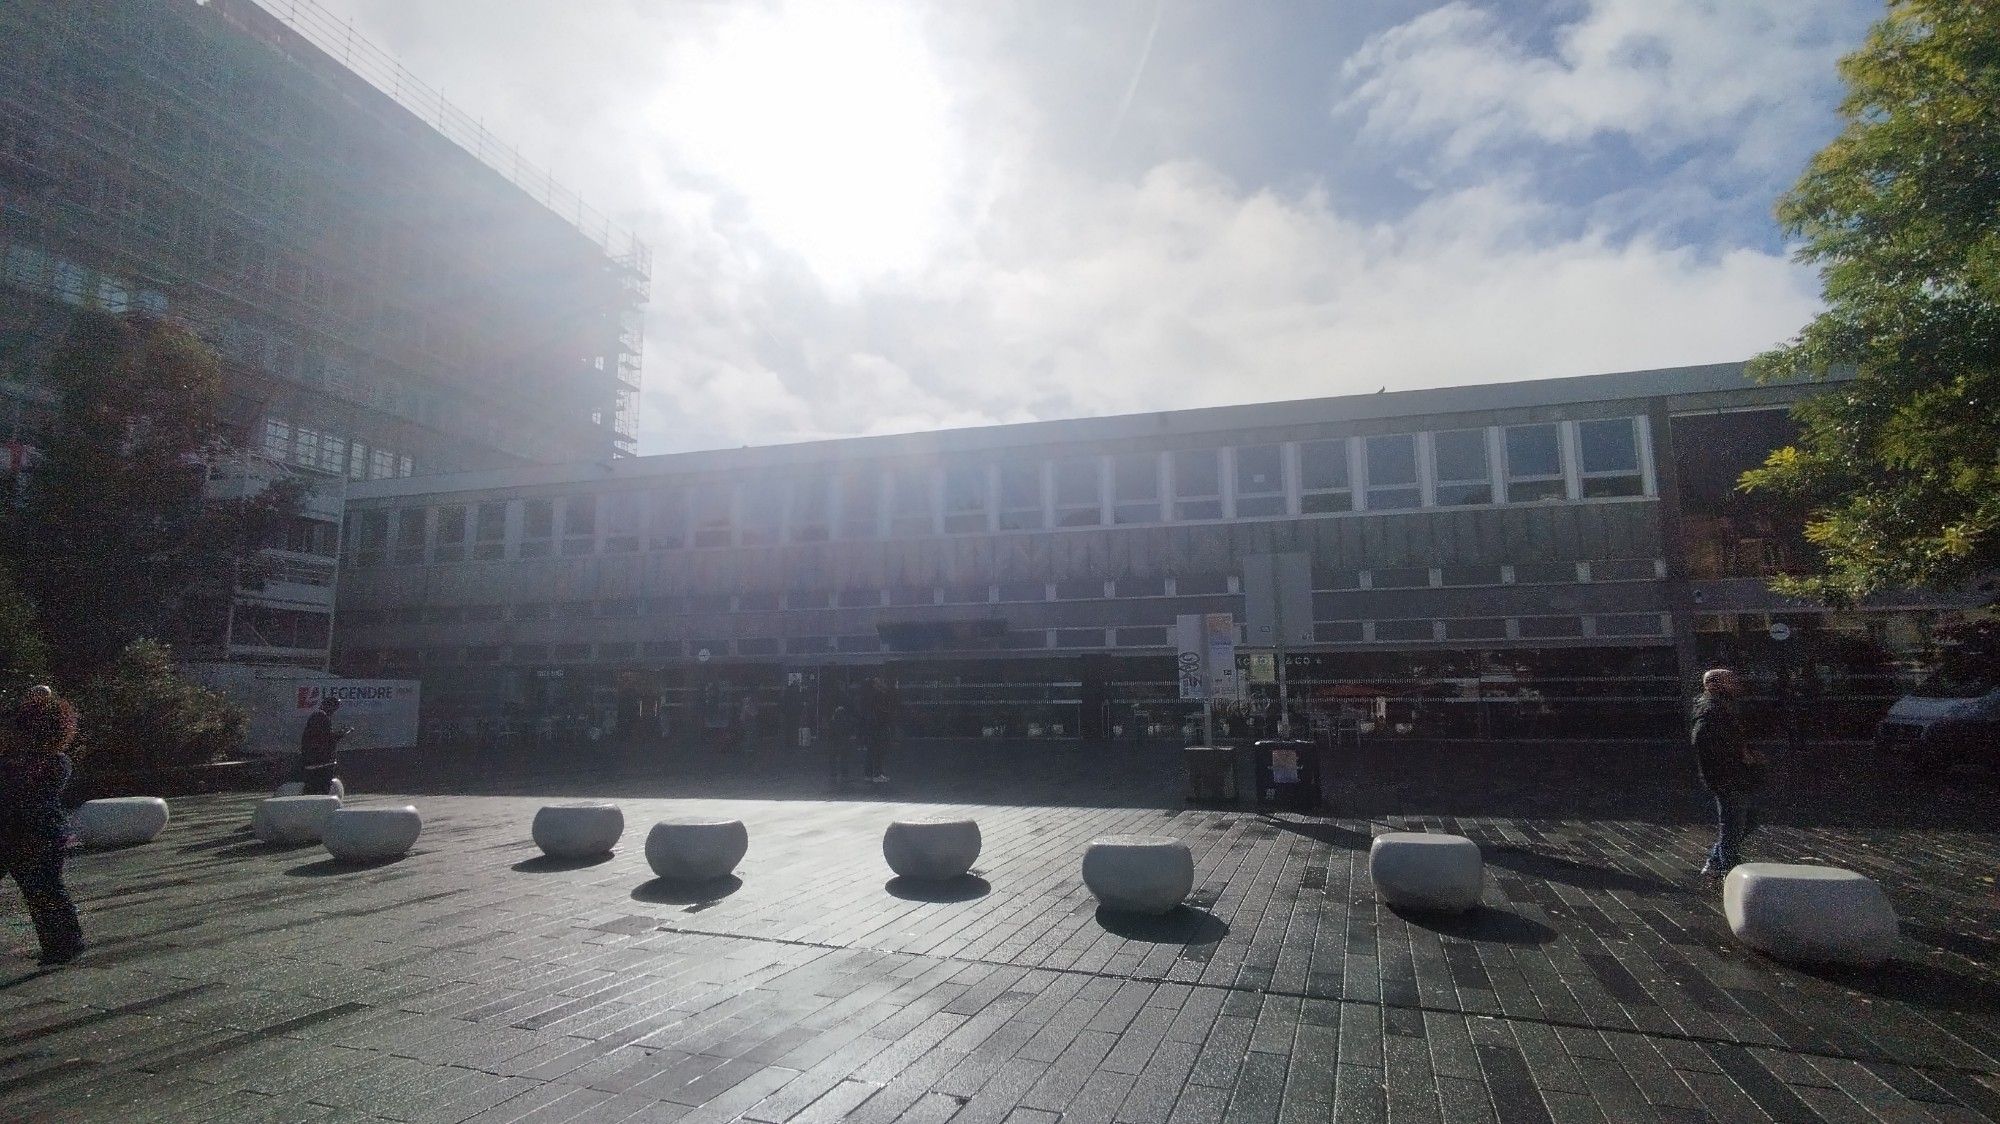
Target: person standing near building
[(841, 729), (319, 749), (34, 771), (1730, 769)]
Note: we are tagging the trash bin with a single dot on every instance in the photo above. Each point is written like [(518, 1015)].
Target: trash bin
[(1287, 774), (1211, 774)]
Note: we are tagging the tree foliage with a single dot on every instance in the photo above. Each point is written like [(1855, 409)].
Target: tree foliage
[(140, 714), (113, 533), (1901, 211), (24, 657)]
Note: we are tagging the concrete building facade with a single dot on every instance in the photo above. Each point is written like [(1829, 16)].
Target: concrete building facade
[(1514, 560)]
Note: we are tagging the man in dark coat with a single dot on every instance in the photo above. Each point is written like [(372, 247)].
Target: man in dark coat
[(1731, 771), (33, 774), (319, 749)]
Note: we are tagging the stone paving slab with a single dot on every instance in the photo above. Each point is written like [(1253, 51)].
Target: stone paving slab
[(476, 981)]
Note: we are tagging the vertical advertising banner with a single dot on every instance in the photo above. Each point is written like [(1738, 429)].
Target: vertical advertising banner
[(1190, 660), (1219, 652)]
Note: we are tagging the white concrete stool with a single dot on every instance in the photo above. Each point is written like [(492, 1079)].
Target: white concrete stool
[(1815, 914), (1138, 873), (290, 788), (578, 831), (121, 821), (696, 850), (292, 819), (362, 835), (338, 789), (1427, 871), (931, 850)]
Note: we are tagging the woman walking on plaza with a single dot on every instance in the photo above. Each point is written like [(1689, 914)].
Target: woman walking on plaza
[(34, 771)]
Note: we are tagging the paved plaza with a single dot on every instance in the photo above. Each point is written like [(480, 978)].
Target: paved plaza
[(474, 980)]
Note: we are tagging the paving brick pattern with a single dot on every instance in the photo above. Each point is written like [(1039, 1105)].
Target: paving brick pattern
[(474, 980)]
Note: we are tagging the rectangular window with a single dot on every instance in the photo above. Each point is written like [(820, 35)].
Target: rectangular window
[(1534, 463), (1392, 472), (1142, 587), (715, 515), (1471, 575), (1021, 497), (1082, 589), (1403, 577), (967, 594), (580, 525), (1197, 484), (405, 466), (806, 599), (1201, 585), (858, 598), (910, 503), (1077, 493), (1323, 479), (667, 520), (811, 514), (910, 595), (869, 643), (371, 538), (1609, 452), (278, 438), (1337, 632), (450, 543), (763, 512), (965, 499), (1544, 573), (1135, 488), (1023, 591), (757, 601), (1079, 638), (1630, 624), (1546, 627), (860, 507), (357, 461), (538, 528), (1142, 637), (410, 536), (621, 522), (1260, 481), (808, 645), (1403, 631), (1476, 628), (1623, 570), (489, 543), (1463, 476), (381, 464)]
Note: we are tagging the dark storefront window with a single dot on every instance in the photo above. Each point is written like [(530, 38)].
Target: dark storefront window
[(1260, 481), (1463, 476), (1135, 488), (1323, 477), (1534, 463), (1727, 533), (1610, 457), (490, 541), (449, 546), (1392, 472), (1078, 503), (1197, 484), (1021, 497), (965, 499)]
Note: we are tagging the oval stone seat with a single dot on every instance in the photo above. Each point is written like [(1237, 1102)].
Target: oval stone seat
[(1810, 914), (692, 849), (1138, 873), (121, 821), (285, 820), (338, 789), (931, 850), (578, 831), (1427, 871), (371, 834), (290, 788)]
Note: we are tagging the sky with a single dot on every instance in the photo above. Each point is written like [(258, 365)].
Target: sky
[(872, 216)]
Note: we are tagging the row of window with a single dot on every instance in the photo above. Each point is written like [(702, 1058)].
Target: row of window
[(1622, 625), (1186, 585), (332, 452), (1456, 468)]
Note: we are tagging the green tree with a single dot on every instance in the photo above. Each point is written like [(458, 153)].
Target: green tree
[(139, 714), (24, 658), (113, 535), (1901, 211)]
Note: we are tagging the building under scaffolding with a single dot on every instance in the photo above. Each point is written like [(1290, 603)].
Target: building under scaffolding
[(392, 292)]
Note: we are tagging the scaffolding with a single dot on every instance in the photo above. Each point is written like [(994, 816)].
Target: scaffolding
[(129, 182)]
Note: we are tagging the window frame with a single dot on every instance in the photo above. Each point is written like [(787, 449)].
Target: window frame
[(1414, 486)]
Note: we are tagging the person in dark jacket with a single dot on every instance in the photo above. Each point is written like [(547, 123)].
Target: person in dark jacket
[(319, 749), (34, 771), (841, 735), (1730, 770)]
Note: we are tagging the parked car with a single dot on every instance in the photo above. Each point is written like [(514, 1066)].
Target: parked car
[(1943, 724)]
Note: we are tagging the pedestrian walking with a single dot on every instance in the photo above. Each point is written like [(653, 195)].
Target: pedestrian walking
[(319, 749), (34, 772), (841, 729), (1730, 769), (878, 722)]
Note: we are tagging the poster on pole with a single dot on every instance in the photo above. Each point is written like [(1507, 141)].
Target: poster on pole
[(1219, 649), (1191, 657)]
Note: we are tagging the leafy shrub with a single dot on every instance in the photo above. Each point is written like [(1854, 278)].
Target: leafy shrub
[(140, 714)]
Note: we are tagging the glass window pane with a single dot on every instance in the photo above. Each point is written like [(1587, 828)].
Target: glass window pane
[(1533, 450), (1323, 464), (1461, 455), (965, 498), (763, 512), (1076, 482), (1021, 486), (1608, 446), (1324, 503), (1392, 460), (1260, 471), (858, 507), (1197, 472), (714, 521), (810, 500), (1135, 477), (667, 520), (910, 491)]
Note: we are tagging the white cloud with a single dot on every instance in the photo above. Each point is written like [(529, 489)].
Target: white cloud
[(1751, 75)]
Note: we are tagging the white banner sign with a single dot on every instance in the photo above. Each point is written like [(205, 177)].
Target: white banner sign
[(1205, 664)]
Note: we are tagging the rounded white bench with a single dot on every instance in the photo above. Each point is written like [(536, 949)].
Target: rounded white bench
[(1138, 873), (290, 788), (292, 819), (337, 789), (121, 821), (1427, 871), (578, 831), (371, 834), (1813, 914), (696, 850), (931, 850)]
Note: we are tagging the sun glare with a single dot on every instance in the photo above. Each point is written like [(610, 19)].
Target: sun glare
[(830, 120)]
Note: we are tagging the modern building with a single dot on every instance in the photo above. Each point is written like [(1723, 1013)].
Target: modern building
[(391, 290), (1528, 559)]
